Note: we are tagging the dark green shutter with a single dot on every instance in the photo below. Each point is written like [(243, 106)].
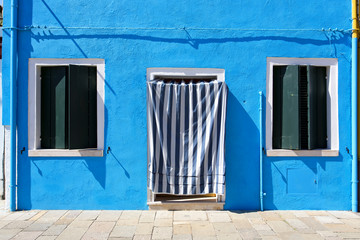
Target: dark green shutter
[(53, 107), (82, 107), (303, 107), (317, 107), (286, 107)]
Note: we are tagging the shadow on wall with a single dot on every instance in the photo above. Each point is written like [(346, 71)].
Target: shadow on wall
[(112, 156), (66, 31), (330, 38), (97, 167), (122, 166), (242, 156)]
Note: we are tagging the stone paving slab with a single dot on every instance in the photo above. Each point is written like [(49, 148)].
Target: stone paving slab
[(8, 233), (144, 229), (36, 216), (54, 230), (27, 235), (109, 216), (123, 231), (17, 224), (88, 215), (164, 214), (178, 225), (147, 217), (162, 233), (99, 230)]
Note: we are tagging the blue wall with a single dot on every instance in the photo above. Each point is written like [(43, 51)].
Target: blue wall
[(118, 180)]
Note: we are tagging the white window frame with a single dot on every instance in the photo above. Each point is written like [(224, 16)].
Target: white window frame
[(332, 106), (152, 73), (34, 107), (217, 73)]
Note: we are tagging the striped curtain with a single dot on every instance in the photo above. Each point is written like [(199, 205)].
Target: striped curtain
[(186, 136)]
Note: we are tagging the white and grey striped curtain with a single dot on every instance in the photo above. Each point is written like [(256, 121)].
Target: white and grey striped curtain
[(186, 136)]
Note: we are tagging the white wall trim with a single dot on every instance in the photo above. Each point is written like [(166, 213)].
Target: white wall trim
[(332, 97), (66, 153), (34, 96), (7, 164), (186, 72), (302, 153)]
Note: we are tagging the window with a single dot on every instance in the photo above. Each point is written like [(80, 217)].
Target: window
[(299, 107), (66, 107), (302, 107)]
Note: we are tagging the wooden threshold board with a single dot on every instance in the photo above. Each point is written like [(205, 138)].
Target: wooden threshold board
[(185, 202), (184, 198)]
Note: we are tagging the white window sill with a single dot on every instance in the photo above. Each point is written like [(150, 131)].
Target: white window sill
[(65, 153), (302, 153)]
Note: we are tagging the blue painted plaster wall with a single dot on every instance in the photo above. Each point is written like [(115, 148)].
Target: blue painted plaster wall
[(118, 180)]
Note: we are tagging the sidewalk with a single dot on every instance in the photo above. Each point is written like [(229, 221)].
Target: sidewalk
[(71, 225), (2, 205)]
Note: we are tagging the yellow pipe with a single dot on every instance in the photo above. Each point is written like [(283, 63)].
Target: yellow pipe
[(355, 22)]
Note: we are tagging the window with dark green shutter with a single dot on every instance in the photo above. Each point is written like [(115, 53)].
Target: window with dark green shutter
[(299, 107), (68, 107)]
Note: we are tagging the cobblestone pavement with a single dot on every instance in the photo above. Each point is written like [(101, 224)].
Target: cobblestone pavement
[(74, 224)]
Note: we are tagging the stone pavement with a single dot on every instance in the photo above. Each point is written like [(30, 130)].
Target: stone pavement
[(178, 225)]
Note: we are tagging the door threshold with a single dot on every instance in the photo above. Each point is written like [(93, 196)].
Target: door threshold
[(186, 205)]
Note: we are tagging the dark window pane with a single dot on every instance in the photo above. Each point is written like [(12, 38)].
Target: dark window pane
[(53, 107), (82, 107)]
